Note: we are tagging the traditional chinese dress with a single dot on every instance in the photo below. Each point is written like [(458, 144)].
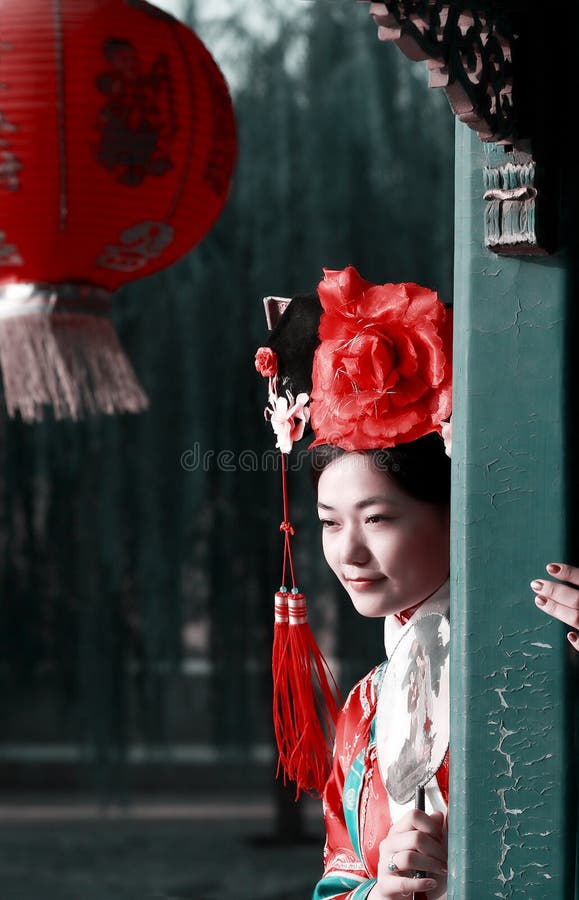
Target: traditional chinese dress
[(358, 811)]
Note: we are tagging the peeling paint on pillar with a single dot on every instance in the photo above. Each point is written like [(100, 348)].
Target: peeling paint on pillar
[(520, 771), (510, 820)]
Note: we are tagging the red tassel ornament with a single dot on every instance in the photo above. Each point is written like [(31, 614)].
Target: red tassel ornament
[(282, 719), (306, 698)]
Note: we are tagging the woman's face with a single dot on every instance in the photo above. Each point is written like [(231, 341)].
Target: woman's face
[(389, 550)]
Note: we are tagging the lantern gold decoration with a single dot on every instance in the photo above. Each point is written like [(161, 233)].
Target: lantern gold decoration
[(117, 147)]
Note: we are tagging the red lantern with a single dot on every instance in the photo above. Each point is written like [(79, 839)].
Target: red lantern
[(117, 147)]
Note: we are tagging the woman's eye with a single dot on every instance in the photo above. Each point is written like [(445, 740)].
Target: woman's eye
[(374, 520), (327, 523)]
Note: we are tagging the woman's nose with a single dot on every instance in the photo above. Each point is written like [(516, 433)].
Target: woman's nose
[(353, 548)]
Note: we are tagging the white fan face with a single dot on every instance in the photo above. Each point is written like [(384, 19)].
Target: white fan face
[(412, 716)]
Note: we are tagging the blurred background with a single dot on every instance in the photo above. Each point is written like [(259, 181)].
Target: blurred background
[(139, 555)]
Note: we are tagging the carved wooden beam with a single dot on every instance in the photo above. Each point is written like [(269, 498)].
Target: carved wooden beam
[(471, 50), (477, 53)]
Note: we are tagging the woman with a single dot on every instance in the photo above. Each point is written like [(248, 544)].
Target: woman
[(378, 372), (385, 533)]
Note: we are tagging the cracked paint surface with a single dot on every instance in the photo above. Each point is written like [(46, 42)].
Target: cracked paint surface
[(522, 771)]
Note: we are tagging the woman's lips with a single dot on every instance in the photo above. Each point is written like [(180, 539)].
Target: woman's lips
[(362, 584)]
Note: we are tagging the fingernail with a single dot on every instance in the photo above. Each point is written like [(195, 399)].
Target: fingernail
[(573, 637), (553, 569), (540, 601), (537, 585), (429, 884)]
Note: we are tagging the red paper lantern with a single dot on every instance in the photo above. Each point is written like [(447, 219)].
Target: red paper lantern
[(117, 147)]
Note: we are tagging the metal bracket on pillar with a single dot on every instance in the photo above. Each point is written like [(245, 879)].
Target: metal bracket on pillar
[(476, 53)]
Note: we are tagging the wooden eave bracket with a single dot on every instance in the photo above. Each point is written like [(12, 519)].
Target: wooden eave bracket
[(472, 52)]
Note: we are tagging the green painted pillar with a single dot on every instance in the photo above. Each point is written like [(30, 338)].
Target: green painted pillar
[(513, 792)]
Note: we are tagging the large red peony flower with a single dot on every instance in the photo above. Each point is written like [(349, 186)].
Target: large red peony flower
[(382, 372)]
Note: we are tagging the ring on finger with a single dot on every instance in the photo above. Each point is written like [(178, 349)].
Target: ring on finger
[(406, 893), (392, 867)]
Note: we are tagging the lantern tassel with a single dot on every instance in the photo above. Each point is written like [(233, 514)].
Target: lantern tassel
[(71, 361)]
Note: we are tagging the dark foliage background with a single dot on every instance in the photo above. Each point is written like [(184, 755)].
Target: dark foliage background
[(137, 564)]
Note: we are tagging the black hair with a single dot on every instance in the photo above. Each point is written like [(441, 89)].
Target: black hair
[(295, 340), (421, 467)]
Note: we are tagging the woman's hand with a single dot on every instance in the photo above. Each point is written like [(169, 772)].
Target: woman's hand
[(560, 600), (414, 843)]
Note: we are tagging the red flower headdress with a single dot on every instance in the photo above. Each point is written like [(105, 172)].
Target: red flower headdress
[(382, 372), (379, 362)]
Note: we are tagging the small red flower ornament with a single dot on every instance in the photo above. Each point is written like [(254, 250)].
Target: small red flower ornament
[(383, 370), (266, 362)]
